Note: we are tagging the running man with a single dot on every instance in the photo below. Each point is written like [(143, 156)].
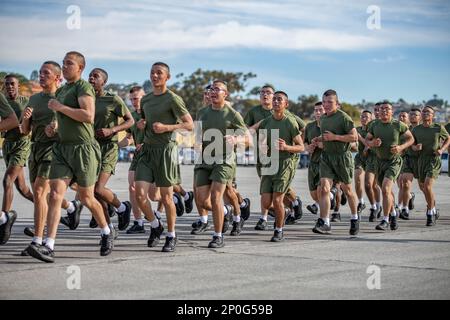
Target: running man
[(430, 141), (336, 163), (163, 112), (384, 137), (289, 143), (8, 121), (76, 158)]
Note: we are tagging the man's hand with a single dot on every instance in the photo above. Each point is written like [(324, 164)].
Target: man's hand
[(416, 147), (50, 129), (141, 124), (231, 140), (158, 127), (396, 149), (310, 148), (104, 132), (27, 113), (281, 144), (438, 152), (138, 147), (329, 136), (54, 105), (376, 142)]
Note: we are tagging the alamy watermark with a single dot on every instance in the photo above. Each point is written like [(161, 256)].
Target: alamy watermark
[(374, 20), (374, 280), (74, 279), (73, 22)]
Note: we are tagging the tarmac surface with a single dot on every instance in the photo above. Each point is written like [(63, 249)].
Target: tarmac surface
[(410, 263)]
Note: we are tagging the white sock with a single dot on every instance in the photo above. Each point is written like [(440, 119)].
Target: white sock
[(316, 204), (175, 200), (279, 229), (154, 223), (400, 206), (140, 222), (225, 210), (71, 207), (263, 217), (204, 219), (158, 214), (111, 226), (37, 240), (327, 221), (386, 218), (186, 197), (374, 206), (171, 234), (354, 216), (243, 204), (379, 205), (331, 196), (433, 211), (295, 203), (237, 218), (3, 218), (50, 243), (394, 213), (122, 208), (105, 231), (406, 209), (361, 200), (217, 234)]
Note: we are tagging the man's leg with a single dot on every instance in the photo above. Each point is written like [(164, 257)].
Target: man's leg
[(22, 187), (9, 179), (41, 189)]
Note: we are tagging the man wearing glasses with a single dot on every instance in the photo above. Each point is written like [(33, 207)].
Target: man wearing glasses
[(384, 138), (430, 140), (409, 171)]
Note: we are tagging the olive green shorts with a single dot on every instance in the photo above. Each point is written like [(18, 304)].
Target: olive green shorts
[(313, 176), (16, 153), (40, 160), (205, 174), (135, 161), (410, 165), (159, 165), (428, 166), (281, 181), (110, 155), (360, 162), (389, 169), (337, 167), (370, 163), (78, 162)]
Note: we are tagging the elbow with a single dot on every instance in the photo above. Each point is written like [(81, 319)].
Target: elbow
[(189, 125)]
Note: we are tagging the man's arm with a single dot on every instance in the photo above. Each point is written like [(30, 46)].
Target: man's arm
[(9, 122), (186, 124), (86, 112), (350, 137)]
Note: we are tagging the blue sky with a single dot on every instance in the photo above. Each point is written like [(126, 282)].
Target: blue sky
[(302, 47)]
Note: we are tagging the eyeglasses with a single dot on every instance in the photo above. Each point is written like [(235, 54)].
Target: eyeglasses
[(266, 92), (217, 90), (427, 111)]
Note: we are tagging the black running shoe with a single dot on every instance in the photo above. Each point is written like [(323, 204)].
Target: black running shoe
[(277, 236), (196, 224), (373, 215), (383, 225), (189, 204), (261, 225), (393, 222), (107, 243), (5, 229), (92, 224), (237, 227), (298, 211), (74, 217), (200, 227), (170, 244), (179, 206), (290, 219), (111, 210), (411, 201), (155, 235), (312, 208), (431, 220), (361, 207), (343, 199), (227, 218), (334, 191), (216, 242), (335, 217), (245, 212), (41, 252), (321, 227), (379, 212), (124, 217), (136, 228), (404, 214), (354, 227), (271, 212), (29, 231)]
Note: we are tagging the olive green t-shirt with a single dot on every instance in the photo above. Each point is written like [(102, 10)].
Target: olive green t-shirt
[(390, 134), (166, 108), (429, 137), (138, 135), (256, 114), (108, 109), (5, 108), (447, 127), (70, 130), (287, 129), (410, 151), (222, 120), (18, 105), (300, 122), (313, 131), (363, 133), (338, 123), (41, 117)]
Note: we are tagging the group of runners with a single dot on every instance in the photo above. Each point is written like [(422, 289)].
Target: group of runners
[(68, 136)]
